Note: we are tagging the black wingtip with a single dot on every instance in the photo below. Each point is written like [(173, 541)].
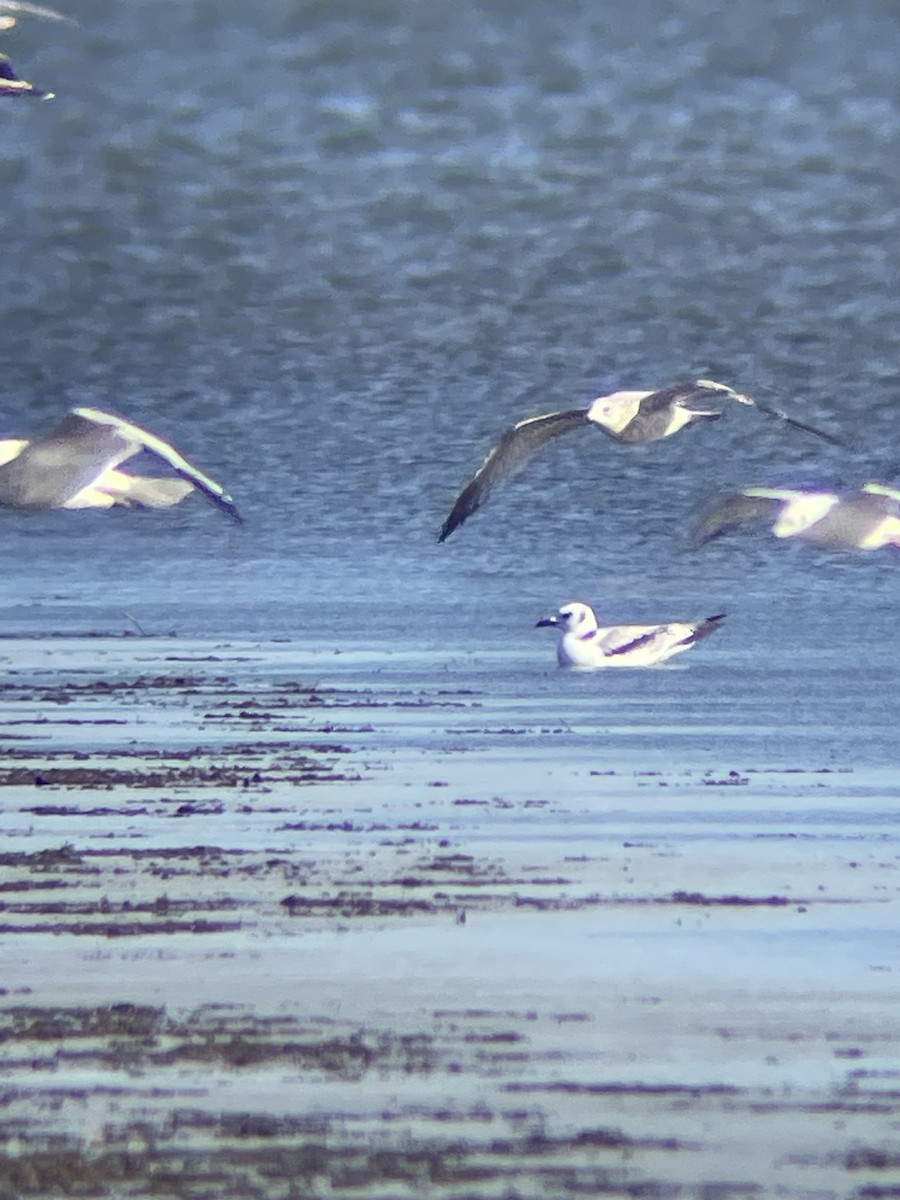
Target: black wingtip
[(705, 627), (228, 506), (801, 425), (458, 515), (819, 433)]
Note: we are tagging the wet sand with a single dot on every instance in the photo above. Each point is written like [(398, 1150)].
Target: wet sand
[(272, 929)]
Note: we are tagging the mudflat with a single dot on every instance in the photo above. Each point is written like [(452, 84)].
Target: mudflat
[(272, 929)]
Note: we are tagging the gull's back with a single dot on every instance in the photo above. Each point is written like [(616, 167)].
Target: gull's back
[(53, 468), (860, 520)]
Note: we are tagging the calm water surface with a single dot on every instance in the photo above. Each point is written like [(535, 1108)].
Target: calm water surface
[(331, 249)]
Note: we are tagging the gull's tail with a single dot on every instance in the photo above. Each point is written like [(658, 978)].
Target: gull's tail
[(705, 627)]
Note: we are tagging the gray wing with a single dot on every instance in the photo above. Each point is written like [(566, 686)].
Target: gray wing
[(132, 438), (32, 10), (881, 489), (655, 412), (12, 85), (683, 393), (52, 469), (727, 512), (695, 631), (847, 525), (795, 424), (659, 403), (642, 639), (6, 71), (515, 447)]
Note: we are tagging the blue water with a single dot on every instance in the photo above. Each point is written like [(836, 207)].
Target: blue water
[(332, 249)]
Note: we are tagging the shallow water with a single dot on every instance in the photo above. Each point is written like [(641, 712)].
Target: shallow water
[(288, 921), (318, 877)]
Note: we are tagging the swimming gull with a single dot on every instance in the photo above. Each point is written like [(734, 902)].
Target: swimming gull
[(76, 464), (867, 518), (630, 417), (587, 645)]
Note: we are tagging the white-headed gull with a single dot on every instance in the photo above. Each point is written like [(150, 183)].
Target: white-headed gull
[(865, 519), (76, 464), (587, 645), (632, 418)]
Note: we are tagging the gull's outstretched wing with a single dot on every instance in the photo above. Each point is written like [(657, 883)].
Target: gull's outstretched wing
[(33, 10), (684, 393), (734, 508), (654, 417), (882, 489), (53, 468), (131, 491), (132, 438), (707, 389), (770, 411), (515, 447), (856, 521), (12, 85)]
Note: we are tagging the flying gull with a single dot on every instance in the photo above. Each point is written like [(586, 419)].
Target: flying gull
[(76, 464), (865, 519), (587, 645), (629, 417)]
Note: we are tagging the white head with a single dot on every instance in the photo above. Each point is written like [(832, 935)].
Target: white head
[(617, 410), (573, 617)]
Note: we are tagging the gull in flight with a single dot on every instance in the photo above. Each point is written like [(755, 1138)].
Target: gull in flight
[(629, 417), (76, 464), (587, 645), (10, 83), (865, 519)]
